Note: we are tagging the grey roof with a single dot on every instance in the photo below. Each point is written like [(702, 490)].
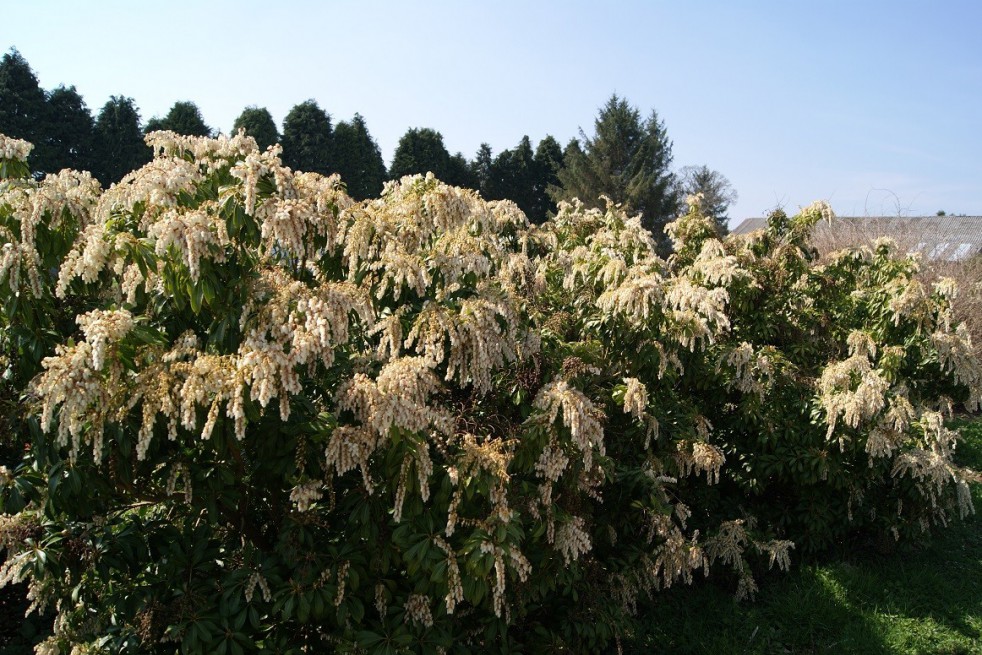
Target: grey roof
[(950, 238)]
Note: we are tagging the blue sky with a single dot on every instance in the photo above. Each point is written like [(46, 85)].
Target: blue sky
[(874, 106)]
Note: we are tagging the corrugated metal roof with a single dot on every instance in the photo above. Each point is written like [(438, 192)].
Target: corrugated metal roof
[(949, 238)]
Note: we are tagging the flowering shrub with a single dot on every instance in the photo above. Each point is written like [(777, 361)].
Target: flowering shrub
[(262, 417)]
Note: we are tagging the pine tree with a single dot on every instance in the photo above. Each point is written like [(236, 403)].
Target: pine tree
[(627, 159), (183, 118), (24, 110), (548, 161), (512, 175), (70, 130), (421, 150), (481, 171), (459, 172), (358, 159), (521, 175), (119, 144), (257, 123), (308, 139)]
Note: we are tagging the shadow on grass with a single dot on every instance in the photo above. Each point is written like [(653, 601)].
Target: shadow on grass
[(920, 599)]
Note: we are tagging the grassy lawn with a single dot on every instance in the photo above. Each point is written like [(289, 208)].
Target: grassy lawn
[(918, 599)]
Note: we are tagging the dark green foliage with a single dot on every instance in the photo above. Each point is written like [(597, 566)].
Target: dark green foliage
[(70, 131), (459, 172), (518, 431), (358, 160), (548, 162), (512, 176), (481, 170), (864, 598), (24, 110), (183, 118), (308, 139), (119, 141), (420, 151), (257, 123), (520, 175), (626, 159)]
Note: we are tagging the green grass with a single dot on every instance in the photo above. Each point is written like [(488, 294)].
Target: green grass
[(923, 599)]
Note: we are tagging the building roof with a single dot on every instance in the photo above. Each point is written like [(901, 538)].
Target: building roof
[(946, 238)]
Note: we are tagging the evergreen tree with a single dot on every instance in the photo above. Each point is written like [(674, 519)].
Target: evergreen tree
[(548, 161), (481, 170), (308, 139), (627, 159), (24, 109), (119, 141), (358, 159), (257, 123), (512, 175), (522, 175), (459, 172), (716, 191), (70, 131), (421, 150), (183, 118)]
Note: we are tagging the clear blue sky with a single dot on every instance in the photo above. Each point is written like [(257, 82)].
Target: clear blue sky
[(875, 106)]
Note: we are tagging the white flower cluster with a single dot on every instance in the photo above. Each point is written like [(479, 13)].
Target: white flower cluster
[(676, 557), (852, 388), (71, 385), (696, 314), (700, 457), (306, 494), (932, 467), (519, 564), (103, 329), (194, 235), (891, 432), (87, 259), (578, 416), (635, 398), (911, 301), (150, 189), (714, 267), (572, 540), (14, 149), (418, 610), (67, 196), (204, 150), (752, 371), (958, 357), (820, 210), (256, 579)]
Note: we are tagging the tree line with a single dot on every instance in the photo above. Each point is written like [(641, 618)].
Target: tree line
[(628, 158)]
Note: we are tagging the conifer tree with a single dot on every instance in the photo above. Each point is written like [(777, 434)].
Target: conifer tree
[(183, 118), (24, 109), (257, 123), (119, 145), (308, 139), (626, 159), (421, 150), (459, 172), (481, 170), (513, 173), (358, 159), (70, 131), (548, 161)]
